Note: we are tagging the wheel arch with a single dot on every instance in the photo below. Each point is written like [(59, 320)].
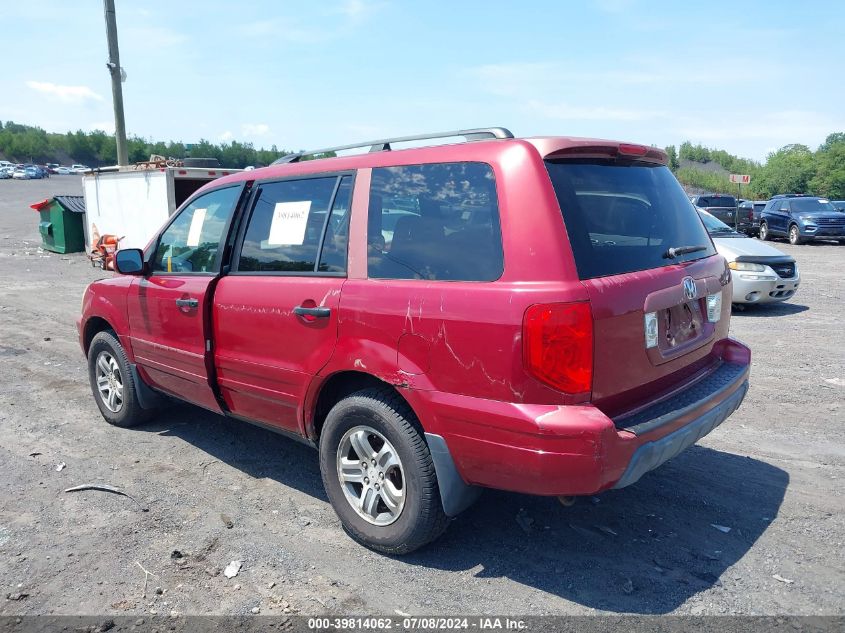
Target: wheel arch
[(93, 326), (333, 389)]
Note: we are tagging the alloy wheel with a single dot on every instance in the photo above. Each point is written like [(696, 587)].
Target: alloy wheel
[(371, 475), (109, 382)]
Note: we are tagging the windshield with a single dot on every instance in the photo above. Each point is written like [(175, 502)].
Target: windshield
[(715, 226), (623, 217), (810, 205)]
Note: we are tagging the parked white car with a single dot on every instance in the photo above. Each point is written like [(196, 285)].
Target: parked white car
[(760, 272), (79, 169), (64, 171)]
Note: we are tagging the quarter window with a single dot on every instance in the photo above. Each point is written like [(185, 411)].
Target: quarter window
[(436, 221), (191, 242), (295, 223)]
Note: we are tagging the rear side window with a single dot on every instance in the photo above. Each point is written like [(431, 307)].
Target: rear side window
[(623, 218), (296, 223), (437, 221)]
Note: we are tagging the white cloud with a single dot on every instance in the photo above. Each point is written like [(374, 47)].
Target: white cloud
[(67, 94), (227, 136), (254, 129)]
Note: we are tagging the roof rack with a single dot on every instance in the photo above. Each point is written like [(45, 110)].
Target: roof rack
[(476, 134)]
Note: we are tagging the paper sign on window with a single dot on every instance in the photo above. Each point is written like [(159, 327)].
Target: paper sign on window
[(289, 222), (196, 228)]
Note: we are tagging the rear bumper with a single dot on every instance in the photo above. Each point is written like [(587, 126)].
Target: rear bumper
[(578, 450)]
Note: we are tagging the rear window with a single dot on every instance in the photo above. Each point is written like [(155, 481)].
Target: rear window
[(717, 201), (624, 217)]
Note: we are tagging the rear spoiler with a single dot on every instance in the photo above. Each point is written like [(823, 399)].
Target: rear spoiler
[(628, 151)]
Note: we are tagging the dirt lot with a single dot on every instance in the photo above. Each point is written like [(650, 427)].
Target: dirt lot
[(218, 490)]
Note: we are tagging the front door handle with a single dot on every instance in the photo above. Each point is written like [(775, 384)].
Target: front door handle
[(187, 303), (320, 312)]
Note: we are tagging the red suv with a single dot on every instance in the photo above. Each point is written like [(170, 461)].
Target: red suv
[(543, 315)]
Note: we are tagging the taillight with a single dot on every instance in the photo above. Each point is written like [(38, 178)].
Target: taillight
[(632, 150), (557, 345)]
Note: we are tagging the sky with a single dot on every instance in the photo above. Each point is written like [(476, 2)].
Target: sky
[(748, 77)]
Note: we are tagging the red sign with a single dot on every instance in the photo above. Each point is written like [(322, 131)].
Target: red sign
[(740, 179)]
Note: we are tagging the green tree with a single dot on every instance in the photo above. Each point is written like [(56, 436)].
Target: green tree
[(672, 153), (788, 170), (830, 168)]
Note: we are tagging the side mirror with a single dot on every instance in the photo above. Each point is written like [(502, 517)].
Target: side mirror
[(129, 261)]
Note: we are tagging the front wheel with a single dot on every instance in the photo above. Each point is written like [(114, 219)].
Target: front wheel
[(794, 235), (764, 232), (378, 473), (112, 382)]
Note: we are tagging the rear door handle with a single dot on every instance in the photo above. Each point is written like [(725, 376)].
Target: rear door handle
[(187, 303), (320, 312)]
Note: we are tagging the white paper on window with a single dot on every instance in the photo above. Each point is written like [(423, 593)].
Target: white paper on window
[(289, 222), (196, 228)]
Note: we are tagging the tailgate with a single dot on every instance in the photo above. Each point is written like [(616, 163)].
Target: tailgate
[(648, 266), (627, 371)]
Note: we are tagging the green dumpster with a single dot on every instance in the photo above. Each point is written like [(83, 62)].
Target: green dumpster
[(61, 223)]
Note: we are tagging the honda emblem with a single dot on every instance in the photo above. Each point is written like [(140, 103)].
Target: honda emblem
[(689, 288)]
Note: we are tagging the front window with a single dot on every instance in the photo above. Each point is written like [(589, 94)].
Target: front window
[(191, 242)]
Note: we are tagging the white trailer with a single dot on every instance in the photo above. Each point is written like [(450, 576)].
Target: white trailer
[(134, 203)]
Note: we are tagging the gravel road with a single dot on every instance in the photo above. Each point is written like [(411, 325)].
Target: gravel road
[(207, 491)]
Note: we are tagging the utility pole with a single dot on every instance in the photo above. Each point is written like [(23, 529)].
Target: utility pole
[(116, 87)]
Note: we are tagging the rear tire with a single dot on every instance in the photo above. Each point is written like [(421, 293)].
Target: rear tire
[(764, 232), (795, 235), (405, 512), (113, 383)]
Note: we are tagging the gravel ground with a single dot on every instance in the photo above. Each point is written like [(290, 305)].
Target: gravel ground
[(207, 491)]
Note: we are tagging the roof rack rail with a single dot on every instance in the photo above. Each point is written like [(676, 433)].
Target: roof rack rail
[(382, 145)]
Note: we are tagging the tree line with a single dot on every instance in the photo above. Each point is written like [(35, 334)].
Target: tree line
[(25, 143), (793, 168)]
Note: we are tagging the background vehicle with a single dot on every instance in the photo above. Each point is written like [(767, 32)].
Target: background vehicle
[(724, 208), (133, 204), (63, 171), (6, 172), (749, 211), (22, 173), (448, 350), (839, 204), (79, 169), (760, 272), (802, 219)]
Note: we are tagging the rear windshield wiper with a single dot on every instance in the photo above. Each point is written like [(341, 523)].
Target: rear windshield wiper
[(673, 252)]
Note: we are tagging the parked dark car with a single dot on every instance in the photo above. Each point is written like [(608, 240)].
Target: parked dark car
[(802, 219), (546, 316), (724, 208), (749, 211)]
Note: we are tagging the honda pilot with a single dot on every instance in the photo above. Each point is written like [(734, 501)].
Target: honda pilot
[(543, 315)]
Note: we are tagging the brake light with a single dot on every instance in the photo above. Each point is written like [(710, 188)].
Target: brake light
[(632, 150), (557, 345)]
